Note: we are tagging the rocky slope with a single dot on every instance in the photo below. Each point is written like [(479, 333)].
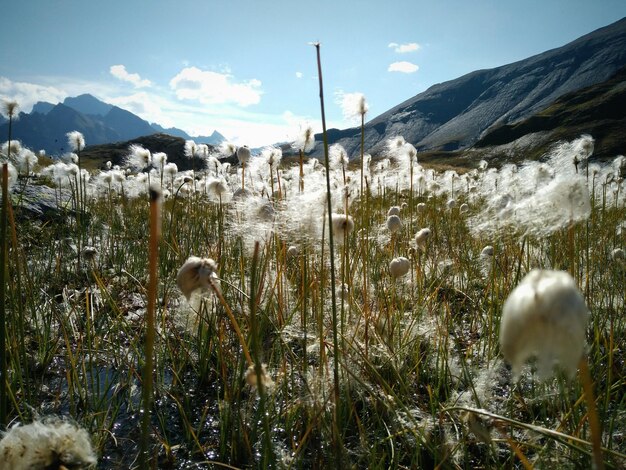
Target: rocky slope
[(456, 114)]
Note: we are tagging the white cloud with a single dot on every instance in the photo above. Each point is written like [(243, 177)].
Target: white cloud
[(404, 48), (298, 74), (403, 66), (147, 106), (208, 87), (164, 107), (27, 94), (119, 72)]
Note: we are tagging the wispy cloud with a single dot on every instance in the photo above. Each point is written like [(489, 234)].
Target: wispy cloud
[(403, 66), (120, 72), (208, 87), (27, 94), (404, 48)]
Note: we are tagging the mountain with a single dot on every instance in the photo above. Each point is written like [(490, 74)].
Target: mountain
[(454, 115), (45, 127), (88, 104), (42, 107), (47, 131), (598, 110), (214, 139), (127, 124)]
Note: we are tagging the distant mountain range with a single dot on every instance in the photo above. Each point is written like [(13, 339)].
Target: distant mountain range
[(101, 123), (457, 114)]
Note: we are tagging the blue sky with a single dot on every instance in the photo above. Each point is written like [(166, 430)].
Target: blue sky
[(246, 68)]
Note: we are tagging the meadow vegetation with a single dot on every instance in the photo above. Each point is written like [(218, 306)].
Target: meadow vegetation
[(260, 360)]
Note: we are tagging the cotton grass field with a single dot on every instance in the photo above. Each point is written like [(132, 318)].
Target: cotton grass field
[(219, 318)]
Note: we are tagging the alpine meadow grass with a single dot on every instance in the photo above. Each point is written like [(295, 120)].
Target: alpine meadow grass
[(291, 313)]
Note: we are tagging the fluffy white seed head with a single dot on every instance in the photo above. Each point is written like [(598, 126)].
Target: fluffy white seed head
[(10, 109), (243, 154), (305, 140), (76, 141), (159, 159), (13, 151), (353, 105), (252, 378), (393, 210), (52, 443), (197, 273), (421, 207), (170, 169), (342, 225), (338, 157), (138, 156), (394, 223), (618, 254), (545, 317), (398, 267), (619, 166), (487, 251), (191, 149), (421, 237)]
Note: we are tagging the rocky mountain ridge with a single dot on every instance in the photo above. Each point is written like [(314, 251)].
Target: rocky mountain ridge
[(101, 123), (456, 114)]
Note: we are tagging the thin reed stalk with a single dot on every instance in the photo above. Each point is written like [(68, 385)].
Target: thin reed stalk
[(4, 383), (147, 374), (336, 427)]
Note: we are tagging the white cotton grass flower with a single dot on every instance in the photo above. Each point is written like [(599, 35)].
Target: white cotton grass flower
[(342, 225), (451, 204), (399, 267), (46, 444), (545, 317), (26, 161), (394, 223), (272, 157), (197, 273), (422, 237), (558, 204), (76, 141), (487, 251), (353, 105), (618, 255), (393, 210), (227, 149), (10, 109), (582, 149), (159, 159), (338, 157), (138, 156), (218, 188), (305, 141), (464, 208), (619, 166), (13, 152), (421, 207), (292, 251), (243, 155), (395, 144), (191, 149), (252, 378)]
